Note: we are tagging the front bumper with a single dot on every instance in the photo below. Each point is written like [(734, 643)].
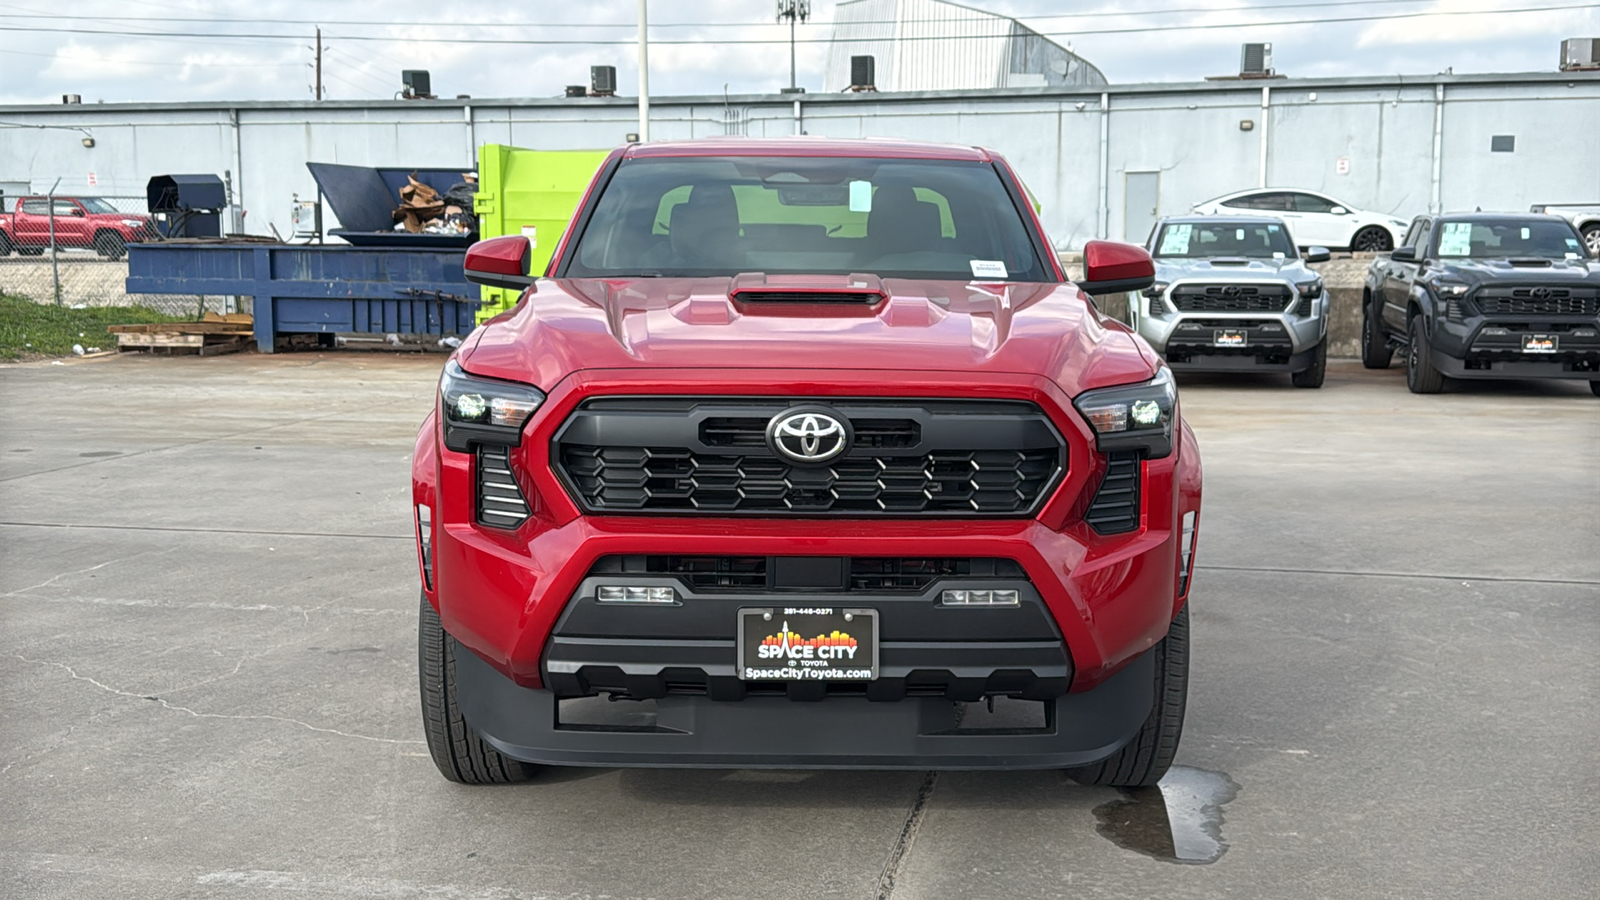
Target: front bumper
[(530, 724), (1279, 341), (510, 595), (1493, 347)]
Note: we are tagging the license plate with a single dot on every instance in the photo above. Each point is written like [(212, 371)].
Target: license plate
[(1539, 343), (1227, 339), (808, 643)]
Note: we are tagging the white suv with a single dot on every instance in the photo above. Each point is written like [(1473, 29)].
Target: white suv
[(1315, 219)]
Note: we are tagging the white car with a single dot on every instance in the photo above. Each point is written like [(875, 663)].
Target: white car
[(1315, 219)]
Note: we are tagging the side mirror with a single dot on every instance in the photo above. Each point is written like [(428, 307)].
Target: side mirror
[(1318, 254), (1339, 211), (500, 262), (78, 212), (1113, 268), (1404, 254)]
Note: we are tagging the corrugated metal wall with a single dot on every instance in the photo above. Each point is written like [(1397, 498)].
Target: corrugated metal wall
[(1074, 149)]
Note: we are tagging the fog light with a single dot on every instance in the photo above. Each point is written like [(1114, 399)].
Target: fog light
[(980, 598), (1496, 331), (635, 594)]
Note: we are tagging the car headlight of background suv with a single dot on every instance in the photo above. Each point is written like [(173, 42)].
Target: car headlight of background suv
[(483, 410), (1133, 416)]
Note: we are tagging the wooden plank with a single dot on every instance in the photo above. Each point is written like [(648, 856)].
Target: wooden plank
[(230, 328), (161, 340)]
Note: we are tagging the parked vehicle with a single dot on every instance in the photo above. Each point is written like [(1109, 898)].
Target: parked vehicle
[(80, 222), (1316, 219), (1485, 295), (1584, 216), (1233, 295), (804, 449)]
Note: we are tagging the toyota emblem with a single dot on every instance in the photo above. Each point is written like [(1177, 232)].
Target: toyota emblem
[(808, 435), (1540, 293), (1232, 290)]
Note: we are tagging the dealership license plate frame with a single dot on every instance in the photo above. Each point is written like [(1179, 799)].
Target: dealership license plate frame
[(809, 622), (1531, 343), (1230, 337)]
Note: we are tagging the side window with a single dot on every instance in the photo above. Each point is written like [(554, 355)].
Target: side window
[(1311, 203), (1410, 240), (1424, 239), (1418, 235), (35, 207), (67, 208), (1248, 201), (1274, 200)]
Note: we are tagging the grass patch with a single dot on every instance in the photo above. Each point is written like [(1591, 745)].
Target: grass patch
[(31, 330)]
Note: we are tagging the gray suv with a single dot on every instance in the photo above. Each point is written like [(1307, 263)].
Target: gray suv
[(1233, 295)]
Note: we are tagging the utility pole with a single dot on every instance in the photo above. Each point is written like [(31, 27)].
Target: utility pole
[(793, 10), (644, 72), (319, 62)]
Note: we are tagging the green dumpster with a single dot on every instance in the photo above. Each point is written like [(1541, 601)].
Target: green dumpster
[(529, 192)]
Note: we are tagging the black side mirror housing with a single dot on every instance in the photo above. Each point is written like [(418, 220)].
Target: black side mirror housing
[(1404, 254)]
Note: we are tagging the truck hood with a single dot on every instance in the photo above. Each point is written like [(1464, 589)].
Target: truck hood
[(1234, 269), (1506, 271), (567, 325)]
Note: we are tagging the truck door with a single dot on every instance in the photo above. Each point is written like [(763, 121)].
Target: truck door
[(31, 224), (1400, 275), (72, 223)]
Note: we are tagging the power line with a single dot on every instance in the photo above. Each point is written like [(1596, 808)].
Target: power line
[(520, 42), (631, 26)]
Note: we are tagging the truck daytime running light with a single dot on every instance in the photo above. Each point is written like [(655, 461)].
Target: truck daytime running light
[(980, 598), (1312, 289), (483, 410), (1448, 289), (611, 593), (1133, 417)]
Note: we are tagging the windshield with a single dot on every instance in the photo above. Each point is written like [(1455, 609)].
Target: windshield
[(896, 218), (1503, 238), (96, 205), (1254, 240)]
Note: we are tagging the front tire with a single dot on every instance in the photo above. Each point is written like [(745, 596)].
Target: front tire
[(1375, 350), (461, 753), (5, 244), (1149, 755), (1372, 239), (1421, 376), (1312, 376), (110, 245)]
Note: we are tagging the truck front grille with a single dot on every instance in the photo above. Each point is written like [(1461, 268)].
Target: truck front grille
[(756, 574), (711, 457), (1231, 297), (1549, 301)]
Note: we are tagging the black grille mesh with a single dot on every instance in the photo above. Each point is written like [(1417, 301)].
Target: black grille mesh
[(1522, 301), (1230, 297), (673, 479), (869, 574)]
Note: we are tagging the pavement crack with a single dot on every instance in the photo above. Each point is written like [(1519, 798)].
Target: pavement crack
[(894, 865), (54, 578), (1287, 570), (205, 715)]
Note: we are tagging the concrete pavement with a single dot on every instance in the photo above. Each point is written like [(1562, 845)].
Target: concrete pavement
[(207, 669)]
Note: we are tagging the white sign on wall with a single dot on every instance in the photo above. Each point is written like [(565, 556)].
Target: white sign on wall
[(93, 181), (1342, 166)]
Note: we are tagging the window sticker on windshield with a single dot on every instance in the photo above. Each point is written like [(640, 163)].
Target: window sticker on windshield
[(1238, 234), (1456, 240), (1277, 254), (1526, 232), (1573, 243), (988, 268), (861, 196), (1175, 240), (1273, 229)]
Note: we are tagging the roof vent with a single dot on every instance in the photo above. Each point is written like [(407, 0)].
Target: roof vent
[(1256, 61), (1580, 54)]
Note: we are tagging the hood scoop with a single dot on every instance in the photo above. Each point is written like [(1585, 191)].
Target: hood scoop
[(1230, 261), (812, 290), (1530, 262)]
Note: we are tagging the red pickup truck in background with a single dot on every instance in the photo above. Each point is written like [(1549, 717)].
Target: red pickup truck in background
[(80, 222)]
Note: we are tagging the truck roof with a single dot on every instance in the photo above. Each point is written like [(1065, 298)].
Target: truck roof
[(809, 146)]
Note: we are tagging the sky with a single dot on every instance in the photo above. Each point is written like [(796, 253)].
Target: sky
[(704, 46)]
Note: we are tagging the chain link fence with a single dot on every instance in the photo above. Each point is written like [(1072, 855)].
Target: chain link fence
[(79, 270)]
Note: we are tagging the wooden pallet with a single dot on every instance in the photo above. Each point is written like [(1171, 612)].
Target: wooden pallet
[(212, 336)]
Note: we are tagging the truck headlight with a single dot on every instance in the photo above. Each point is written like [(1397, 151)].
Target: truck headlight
[(483, 410), (1309, 289), (1134, 416), (133, 223), (1448, 289), (1155, 290)]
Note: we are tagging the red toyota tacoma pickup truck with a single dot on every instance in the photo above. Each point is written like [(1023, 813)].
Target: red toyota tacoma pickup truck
[(80, 222), (809, 454)]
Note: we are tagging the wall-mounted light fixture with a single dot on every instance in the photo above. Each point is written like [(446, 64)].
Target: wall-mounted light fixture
[(88, 142), (1247, 124)]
